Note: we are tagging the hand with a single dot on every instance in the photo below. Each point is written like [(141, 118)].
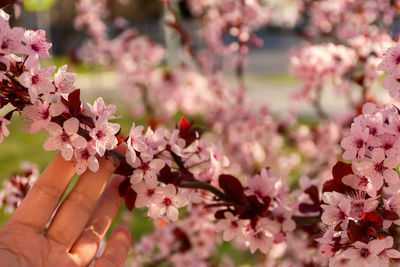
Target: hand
[(80, 223)]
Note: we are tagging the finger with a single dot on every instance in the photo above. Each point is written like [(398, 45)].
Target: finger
[(106, 208), (76, 209), (116, 250), (39, 204)]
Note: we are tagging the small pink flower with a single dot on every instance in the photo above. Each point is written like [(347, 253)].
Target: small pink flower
[(86, 158), (336, 210), (36, 79), (35, 43), (64, 80), (361, 180), (135, 144), (145, 193), (382, 167), (104, 136), (388, 252), (261, 185), (40, 114), (10, 39), (391, 60), (101, 110), (231, 226), (64, 138), (355, 144), (365, 254), (147, 171), (166, 201)]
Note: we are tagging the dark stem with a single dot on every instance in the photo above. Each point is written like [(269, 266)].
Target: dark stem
[(317, 104), (195, 184)]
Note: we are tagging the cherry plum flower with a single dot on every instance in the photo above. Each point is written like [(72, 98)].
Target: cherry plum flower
[(355, 144), (336, 210), (64, 80), (103, 136), (40, 114), (36, 79), (365, 254), (64, 138), (167, 200), (86, 158), (10, 39), (361, 180), (101, 110), (145, 193), (231, 226), (147, 171), (382, 167), (135, 144), (35, 43)]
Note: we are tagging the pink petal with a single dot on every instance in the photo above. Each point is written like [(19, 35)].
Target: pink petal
[(71, 125)]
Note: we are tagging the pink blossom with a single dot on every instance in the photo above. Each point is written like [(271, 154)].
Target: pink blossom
[(101, 110), (36, 79), (167, 200), (231, 226), (365, 254), (10, 39), (145, 193), (135, 144), (388, 252), (391, 60), (361, 180), (382, 167), (40, 114), (4, 132), (86, 158), (355, 144), (35, 43), (64, 138), (261, 185), (104, 136), (147, 171), (64, 80), (336, 210)]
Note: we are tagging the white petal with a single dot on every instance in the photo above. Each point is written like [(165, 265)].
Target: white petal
[(172, 213), (78, 141), (157, 164), (71, 125)]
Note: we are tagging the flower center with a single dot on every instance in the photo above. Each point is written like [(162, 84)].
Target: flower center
[(35, 47), (35, 79), (359, 143), (379, 167), (64, 137), (85, 154), (364, 253), (167, 201)]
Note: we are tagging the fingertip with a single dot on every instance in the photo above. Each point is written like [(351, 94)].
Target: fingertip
[(122, 234)]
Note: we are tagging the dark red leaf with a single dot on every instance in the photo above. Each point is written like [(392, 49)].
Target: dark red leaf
[(3, 101), (220, 214), (341, 169), (312, 191), (124, 169), (168, 177), (232, 188), (306, 208), (74, 100), (5, 3), (130, 198), (123, 187), (3, 67), (188, 133), (356, 233), (390, 215), (86, 120), (183, 240), (371, 219)]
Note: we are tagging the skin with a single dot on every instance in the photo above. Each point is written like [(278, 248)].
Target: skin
[(77, 227)]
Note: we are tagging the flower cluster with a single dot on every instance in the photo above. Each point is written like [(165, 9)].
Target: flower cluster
[(15, 189), (317, 66)]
